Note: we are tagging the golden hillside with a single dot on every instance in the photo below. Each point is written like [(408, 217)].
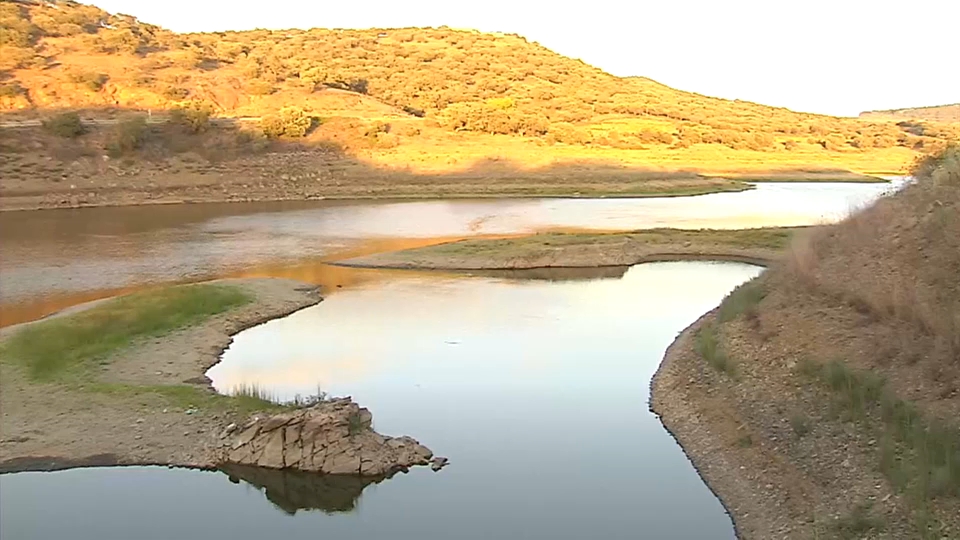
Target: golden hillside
[(938, 113), (68, 55), (392, 112)]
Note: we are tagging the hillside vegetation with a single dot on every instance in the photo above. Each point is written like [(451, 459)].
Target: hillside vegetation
[(938, 113), (838, 374), (399, 102)]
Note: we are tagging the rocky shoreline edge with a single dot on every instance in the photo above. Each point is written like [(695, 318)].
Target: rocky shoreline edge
[(693, 406)]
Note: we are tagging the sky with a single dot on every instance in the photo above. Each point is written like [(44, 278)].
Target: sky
[(836, 57)]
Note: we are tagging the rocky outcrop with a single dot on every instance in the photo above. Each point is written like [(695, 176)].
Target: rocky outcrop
[(332, 437)]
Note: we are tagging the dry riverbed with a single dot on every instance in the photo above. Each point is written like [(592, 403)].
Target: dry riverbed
[(146, 400)]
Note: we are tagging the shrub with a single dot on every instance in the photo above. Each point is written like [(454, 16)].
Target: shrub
[(175, 92), (12, 89), (194, 117), (359, 86), (260, 88), (93, 81), (290, 122), (67, 125), (128, 136)]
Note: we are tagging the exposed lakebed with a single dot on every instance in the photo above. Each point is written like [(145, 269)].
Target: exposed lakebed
[(536, 389)]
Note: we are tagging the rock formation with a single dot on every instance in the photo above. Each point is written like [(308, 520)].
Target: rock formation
[(332, 437)]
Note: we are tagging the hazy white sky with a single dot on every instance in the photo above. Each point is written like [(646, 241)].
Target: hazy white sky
[(827, 56)]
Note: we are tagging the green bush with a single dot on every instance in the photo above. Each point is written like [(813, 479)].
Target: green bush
[(291, 122), (93, 81), (175, 92), (128, 136), (194, 117), (67, 125)]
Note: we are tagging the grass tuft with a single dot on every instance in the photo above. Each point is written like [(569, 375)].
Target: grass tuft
[(254, 391), (919, 457), (356, 424), (743, 299), (800, 424), (74, 345), (708, 346), (185, 396)]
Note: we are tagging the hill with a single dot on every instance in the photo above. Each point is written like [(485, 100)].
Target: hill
[(822, 398), (938, 113), (410, 101)]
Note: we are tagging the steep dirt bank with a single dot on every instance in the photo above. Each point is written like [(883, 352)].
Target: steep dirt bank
[(820, 400), (563, 250), (152, 404)]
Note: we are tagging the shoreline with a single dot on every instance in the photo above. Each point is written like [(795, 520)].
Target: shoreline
[(399, 197), (209, 194), (669, 411), (154, 404), (691, 403)]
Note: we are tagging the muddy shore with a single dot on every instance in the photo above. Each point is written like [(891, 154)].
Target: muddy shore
[(48, 426)]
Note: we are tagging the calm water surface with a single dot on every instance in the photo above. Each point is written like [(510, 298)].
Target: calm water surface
[(536, 390), (54, 259)]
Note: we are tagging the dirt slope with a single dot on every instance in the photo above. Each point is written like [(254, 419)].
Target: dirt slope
[(821, 400)]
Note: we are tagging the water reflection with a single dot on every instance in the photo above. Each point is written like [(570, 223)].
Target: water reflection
[(54, 259), (537, 390), (292, 491)]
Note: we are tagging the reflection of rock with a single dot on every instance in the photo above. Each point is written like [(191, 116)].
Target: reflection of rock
[(292, 490), (331, 437)]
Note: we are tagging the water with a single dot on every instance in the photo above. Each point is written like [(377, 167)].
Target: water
[(55, 259), (537, 391)]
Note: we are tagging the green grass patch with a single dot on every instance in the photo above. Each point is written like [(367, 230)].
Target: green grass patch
[(256, 392), (707, 343), (919, 456), (742, 300), (71, 346), (185, 396)]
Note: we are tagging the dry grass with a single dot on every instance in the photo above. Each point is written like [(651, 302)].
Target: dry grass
[(432, 100), (879, 295)]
